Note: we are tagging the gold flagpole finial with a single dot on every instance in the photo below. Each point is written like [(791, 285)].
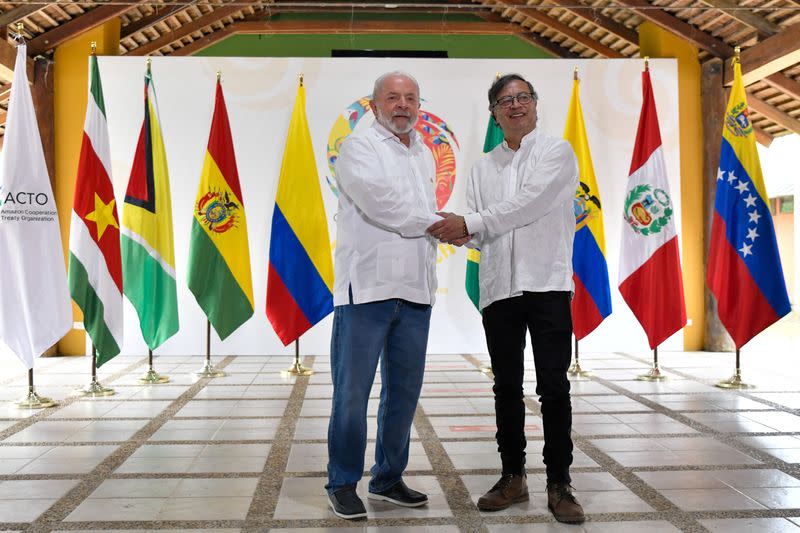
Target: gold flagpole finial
[(737, 55), (575, 73), (20, 27), (647, 62), (301, 79), (149, 64), (219, 76), (496, 76), (94, 47)]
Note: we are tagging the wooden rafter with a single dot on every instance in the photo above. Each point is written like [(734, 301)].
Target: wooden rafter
[(768, 57), (551, 47), (557, 25), (188, 29), (66, 31), (374, 27), (774, 114), (762, 137), (758, 23), (677, 26), (19, 12), (785, 84), (157, 16), (594, 16), (205, 41)]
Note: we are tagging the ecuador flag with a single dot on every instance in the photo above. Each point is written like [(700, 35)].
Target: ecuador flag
[(300, 277), (148, 256), (744, 268), (219, 253), (592, 301)]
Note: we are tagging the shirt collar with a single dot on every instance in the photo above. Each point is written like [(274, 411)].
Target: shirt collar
[(385, 134), (529, 138)]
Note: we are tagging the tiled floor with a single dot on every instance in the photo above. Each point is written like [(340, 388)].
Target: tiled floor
[(247, 452)]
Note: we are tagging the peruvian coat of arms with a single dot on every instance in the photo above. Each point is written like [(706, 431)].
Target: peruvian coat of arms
[(647, 210)]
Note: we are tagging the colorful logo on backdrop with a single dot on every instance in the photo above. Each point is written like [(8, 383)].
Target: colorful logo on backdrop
[(436, 135), (217, 212), (737, 121), (586, 205), (647, 210)]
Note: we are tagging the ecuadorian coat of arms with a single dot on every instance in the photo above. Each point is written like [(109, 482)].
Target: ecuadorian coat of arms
[(647, 210)]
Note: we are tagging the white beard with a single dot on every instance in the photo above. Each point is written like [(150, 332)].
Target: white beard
[(390, 125)]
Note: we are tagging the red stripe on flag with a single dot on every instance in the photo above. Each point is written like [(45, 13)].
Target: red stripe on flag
[(93, 178), (585, 315), (220, 144), (648, 136), (282, 310), (654, 292), (742, 307)]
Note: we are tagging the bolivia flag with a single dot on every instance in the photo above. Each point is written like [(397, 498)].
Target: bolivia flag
[(219, 253), (95, 264)]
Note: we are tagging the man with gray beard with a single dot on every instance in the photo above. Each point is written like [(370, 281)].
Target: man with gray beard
[(384, 288)]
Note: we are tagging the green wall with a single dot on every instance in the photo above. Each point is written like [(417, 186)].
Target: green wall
[(457, 46)]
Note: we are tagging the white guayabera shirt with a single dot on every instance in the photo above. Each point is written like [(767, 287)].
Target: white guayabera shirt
[(522, 216), (387, 200)]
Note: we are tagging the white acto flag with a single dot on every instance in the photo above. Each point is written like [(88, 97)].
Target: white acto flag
[(35, 309)]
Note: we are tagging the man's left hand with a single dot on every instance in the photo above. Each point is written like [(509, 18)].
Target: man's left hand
[(450, 229)]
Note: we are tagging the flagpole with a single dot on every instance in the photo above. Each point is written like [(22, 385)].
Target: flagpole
[(575, 369), (33, 400), (297, 369), (735, 382), (94, 388), (151, 377), (208, 369), (655, 373)]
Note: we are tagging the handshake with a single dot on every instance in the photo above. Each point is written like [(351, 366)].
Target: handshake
[(452, 229)]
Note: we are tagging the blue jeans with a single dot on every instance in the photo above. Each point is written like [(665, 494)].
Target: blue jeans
[(396, 332)]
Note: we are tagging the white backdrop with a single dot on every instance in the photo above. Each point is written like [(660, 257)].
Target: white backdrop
[(260, 93)]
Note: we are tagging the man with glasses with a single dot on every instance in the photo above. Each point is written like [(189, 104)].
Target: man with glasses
[(384, 287), (520, 196)]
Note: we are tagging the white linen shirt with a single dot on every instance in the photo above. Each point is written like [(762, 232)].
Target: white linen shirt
[(522, 217), (387, 200)]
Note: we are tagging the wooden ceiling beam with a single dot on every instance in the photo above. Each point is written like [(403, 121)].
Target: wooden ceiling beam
[(557, 25), (82, 23), (538, 40), (19, 12), (205, 41), (188, 29), (773, 113), (785, 84), (594, 16), (768, 57), (671, 23), (154, 18), (733, 10), (374, 27), (762, 137)]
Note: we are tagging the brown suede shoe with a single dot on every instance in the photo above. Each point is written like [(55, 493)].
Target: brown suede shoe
[(511, 488), (563, 504)]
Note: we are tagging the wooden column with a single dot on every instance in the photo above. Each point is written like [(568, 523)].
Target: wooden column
[(713, 100), (43, 103)]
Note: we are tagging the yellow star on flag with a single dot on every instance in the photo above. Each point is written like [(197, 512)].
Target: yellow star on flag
[(103, 215)]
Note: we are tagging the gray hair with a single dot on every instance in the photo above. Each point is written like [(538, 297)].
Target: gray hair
[(395, 73)]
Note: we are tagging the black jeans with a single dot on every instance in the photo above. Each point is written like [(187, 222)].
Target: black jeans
[(548, 317)]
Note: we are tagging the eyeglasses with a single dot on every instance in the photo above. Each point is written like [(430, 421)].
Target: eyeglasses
[(508, 101)]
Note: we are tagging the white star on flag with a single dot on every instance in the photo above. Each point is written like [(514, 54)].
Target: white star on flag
[(752, 234), (750, 200), (745, 249), (742, 187), (720, 174), (754, 216), (731, 176)]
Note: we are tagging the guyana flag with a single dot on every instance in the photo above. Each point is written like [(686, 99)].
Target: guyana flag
[(494, 136), (219, 253), (148, 256), (95, 267)]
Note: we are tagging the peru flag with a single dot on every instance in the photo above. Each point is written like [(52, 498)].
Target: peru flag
[(650, 266)]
